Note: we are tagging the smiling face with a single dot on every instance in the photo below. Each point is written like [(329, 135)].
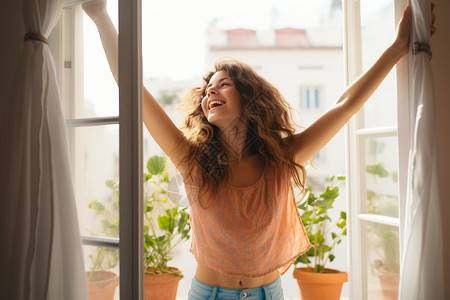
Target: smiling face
[(222, 102)]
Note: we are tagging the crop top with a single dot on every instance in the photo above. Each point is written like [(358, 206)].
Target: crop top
[(250, 231)]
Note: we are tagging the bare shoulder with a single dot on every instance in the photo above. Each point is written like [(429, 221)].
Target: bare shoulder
[(180, 156)]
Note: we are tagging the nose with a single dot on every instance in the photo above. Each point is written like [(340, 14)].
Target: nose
[(211, 90)]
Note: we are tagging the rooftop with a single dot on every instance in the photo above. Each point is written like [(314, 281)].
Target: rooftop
[(249, 39)]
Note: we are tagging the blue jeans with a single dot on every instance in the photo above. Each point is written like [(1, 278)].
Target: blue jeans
[(201, 291)]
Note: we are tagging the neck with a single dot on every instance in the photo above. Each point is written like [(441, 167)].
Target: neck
[(233, 140)]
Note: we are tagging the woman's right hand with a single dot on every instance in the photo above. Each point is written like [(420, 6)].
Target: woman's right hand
[(95, 9)]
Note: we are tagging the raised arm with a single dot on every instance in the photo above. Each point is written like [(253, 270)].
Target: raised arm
[(307, 143), (163, 130)]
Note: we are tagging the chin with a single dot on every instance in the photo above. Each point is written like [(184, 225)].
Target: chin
[(213, 120)]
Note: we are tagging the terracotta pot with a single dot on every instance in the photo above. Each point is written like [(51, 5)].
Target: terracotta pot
[(102, 285), (389, 282), (320, 286), (161, 286)]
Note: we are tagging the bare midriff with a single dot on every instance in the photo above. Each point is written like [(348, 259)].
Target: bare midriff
[(214, 278)]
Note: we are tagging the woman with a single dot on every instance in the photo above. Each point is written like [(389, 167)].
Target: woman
[(237, 154)]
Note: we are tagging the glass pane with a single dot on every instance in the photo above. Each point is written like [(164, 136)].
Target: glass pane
[(383, 261), (102, 272), (95, 165), (381, 176), (377, 33), (101, 94)]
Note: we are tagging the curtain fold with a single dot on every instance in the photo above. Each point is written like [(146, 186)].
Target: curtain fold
[(422, 256), (41, 254)]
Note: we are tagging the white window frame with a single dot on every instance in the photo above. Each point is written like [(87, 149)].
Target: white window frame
[(66, 43), (354, 144)]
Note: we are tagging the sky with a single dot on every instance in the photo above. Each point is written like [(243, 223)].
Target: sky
[(173, 34), (174, 30), (173, 37)]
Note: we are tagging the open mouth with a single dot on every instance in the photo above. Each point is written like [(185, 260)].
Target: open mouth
[(215, 103)]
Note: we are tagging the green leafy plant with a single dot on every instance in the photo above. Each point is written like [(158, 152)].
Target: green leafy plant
[(163, 230), (165, 224), (378, 203), (385, 244), (387, 248), (323, 233), (106, 258)]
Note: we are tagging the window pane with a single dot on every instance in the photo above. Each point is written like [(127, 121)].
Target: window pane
[(316, 96), (95, 163), (307, 98), (381, 176), (102, 272), (377, 32), (101, 93), (383, 261)]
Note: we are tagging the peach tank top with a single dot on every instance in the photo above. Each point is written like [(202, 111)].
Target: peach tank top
[(250, 231)]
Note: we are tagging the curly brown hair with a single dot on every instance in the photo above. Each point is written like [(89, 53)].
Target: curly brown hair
[(269, 122)]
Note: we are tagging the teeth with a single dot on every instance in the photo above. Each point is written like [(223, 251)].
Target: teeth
[(215, 103)]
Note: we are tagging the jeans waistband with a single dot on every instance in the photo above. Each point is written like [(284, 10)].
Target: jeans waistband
[(216, 292)]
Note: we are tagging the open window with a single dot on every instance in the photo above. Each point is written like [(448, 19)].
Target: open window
[(374, 163), (105, 139), (375, 169)]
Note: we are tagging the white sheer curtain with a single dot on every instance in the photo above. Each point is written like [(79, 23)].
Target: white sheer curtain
[(41, 255), (422, 258)]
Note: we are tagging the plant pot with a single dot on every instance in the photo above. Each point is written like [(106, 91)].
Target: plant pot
[(161, 286), (102, 285), (320, 286), (389, 282)]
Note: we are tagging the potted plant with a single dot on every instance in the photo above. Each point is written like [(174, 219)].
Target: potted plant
[(102, 281), (165, 226), (315, 280), (383, 238)]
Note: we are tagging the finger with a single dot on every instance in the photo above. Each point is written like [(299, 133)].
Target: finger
[(407, 10), (406, 13), (433, 19)]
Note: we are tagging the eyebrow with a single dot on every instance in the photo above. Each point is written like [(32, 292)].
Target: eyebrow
[(220, 80)]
